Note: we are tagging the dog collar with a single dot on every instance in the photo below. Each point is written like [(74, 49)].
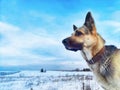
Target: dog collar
[(97, 57)]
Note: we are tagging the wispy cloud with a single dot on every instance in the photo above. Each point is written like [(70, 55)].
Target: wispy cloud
[(27, 48), (17, 43)]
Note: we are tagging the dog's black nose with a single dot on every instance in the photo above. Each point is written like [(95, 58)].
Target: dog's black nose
[(64, 41)]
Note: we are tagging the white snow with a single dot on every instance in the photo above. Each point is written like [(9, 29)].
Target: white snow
[(50, 80)]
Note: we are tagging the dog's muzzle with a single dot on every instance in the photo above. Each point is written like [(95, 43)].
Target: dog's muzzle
[(72, 46)]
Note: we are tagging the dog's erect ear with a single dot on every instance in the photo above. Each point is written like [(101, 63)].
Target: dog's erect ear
[(74, 27), (89, 22)]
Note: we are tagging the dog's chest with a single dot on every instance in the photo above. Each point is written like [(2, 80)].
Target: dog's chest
[(103, 66), (102, 76), (104, 71)]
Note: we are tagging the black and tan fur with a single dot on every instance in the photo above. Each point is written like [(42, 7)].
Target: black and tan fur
[(104, 61)]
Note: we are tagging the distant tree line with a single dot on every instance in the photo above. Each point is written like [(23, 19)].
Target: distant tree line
[(76, 70), (84, 69)]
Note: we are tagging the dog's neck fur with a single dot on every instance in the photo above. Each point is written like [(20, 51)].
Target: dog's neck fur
[(89, 53)]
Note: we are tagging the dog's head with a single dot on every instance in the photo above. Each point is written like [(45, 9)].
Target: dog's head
[(84, 36)]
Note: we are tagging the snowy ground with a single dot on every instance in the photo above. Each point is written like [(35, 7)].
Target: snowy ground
[(51, 80)]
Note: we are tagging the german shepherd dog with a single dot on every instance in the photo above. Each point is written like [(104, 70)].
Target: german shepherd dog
[(103, 60)]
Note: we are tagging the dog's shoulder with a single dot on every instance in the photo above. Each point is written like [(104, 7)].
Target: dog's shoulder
[(115, 62), (113, 51), (111, 48)]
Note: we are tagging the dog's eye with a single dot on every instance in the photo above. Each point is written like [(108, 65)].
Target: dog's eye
[(78, 33)]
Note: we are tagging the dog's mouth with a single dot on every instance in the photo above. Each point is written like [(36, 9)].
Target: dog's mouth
[(71, 49), (72, 46)]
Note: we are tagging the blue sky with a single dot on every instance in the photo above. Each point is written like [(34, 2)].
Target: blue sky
[(31, 31)]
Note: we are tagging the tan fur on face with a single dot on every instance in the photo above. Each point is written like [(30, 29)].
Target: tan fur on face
[(88, 39)]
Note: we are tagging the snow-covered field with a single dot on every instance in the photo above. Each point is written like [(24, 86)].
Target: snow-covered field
[(50, 80)]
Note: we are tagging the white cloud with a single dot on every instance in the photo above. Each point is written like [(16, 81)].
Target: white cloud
[(111, 23), (24, 60), (5, 27), (109, 30), (17, 39), (16, 44), (17, 51)]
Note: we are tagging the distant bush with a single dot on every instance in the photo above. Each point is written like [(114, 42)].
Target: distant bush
[(42, 70)]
